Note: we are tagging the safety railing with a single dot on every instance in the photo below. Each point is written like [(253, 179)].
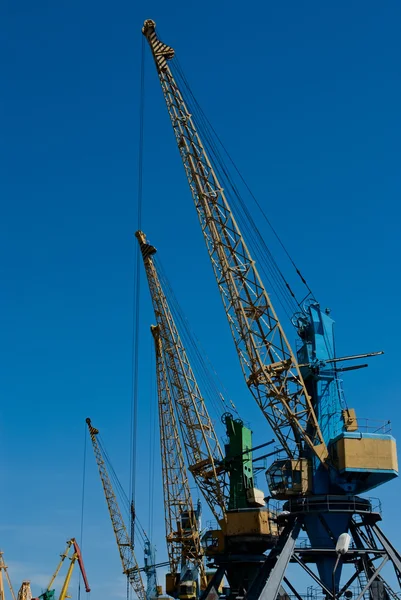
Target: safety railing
[(352, 504), (366, 425)]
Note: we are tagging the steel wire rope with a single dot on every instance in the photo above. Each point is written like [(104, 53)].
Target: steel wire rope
[(186, 334), (205, 131), (200, 362), (135, 341), (118, 487), (245, 227), (245, 221), (152, 439), (244, 181), (81, 535), (272, 272), (280, 287)]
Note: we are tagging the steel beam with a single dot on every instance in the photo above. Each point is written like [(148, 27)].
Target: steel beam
[(391, 551), (312, 574), (214, 584), (375, 574), (267, 583)]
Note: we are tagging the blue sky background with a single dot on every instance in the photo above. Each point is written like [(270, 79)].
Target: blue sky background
[(306, 96)]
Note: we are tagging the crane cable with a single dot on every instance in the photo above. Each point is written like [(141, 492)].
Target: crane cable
[(120, 492), (81, 537), (272, 272), (135, 340), (152, 438), (275, 274), (211, 385)]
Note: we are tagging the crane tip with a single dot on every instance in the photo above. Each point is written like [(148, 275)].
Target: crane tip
[(148, 26)]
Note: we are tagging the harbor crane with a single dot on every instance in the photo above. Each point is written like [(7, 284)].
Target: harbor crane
[(201, 445), (124, 541), (73, 553), (326, 459), (178, 391), (186, 557), (125, 547)]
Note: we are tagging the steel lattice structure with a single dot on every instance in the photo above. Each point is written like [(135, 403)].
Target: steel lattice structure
[(200, 441), (127, 555), (267, 360), (183, 544), (3, 567)]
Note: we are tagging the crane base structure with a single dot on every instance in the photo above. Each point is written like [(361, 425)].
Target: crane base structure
[(361, 564)]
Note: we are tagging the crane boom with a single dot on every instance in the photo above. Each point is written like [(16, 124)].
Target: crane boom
[(199, 437), (3, 567), (182, 531), (267, 360), (76, 556), (128, 560), (56, 572)]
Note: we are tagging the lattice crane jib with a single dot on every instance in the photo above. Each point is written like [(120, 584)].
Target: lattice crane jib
[(182, 529), (25, 592), (267, 359), (125, 547), (4, 569), (200, 441)]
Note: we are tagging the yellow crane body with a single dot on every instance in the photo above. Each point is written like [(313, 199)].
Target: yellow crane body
[(125, 547), (202, 447), (266, 357), (182, 532)]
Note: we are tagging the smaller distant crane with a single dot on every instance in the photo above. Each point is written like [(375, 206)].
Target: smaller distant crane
[(125, 547), (25, 593), (3, 567), (76, 556)]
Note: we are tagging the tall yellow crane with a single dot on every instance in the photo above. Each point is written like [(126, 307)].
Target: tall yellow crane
[(125, 547), (3, 568), (182, 529), (267, 359), (245, 524), (202, 448), (326, 464)]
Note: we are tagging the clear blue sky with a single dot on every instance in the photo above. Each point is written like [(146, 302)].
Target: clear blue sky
[(307, 96)]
